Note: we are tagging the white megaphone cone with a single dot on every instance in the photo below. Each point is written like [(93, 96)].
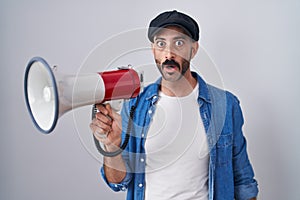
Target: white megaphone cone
[(49, 94)]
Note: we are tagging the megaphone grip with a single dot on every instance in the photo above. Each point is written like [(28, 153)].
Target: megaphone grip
[(126, 140)]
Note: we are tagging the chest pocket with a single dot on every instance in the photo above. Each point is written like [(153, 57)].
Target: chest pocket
[(224, 149)]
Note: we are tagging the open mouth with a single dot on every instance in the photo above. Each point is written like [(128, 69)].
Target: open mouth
[(170, 68)]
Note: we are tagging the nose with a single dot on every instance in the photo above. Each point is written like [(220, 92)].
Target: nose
[(169, 53)]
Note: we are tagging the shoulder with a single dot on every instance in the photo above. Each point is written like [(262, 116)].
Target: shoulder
[(213, 93), (218, 94)]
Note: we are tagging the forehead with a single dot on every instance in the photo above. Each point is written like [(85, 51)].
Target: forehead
[(171, 32)]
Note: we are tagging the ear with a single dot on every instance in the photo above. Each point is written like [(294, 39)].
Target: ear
[(195, 46)]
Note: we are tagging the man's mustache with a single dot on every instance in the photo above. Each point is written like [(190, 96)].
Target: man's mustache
[(171, 62)]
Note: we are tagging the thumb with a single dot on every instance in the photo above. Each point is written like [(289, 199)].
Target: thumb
[(114, 116), (111, 112)]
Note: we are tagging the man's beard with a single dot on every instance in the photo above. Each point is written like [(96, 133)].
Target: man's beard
[(183, 68)]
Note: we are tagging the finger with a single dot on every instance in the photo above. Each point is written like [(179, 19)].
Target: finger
[(101, 125), (100, 136), (112, 113), (106, 110), (104, 118), (94, 126), (109, 110), (102, 108), (99, 133)]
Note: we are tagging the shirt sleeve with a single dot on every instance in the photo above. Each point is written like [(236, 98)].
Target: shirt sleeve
[(122, 186), (117, 186), (245, 186)]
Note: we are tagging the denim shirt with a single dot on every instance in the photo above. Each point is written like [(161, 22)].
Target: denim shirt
[(230, 173)]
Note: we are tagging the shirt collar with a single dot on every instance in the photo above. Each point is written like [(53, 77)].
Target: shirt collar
[(153, 89), (203, 88)]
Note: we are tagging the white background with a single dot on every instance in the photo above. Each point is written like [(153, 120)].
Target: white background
[(255, 45)]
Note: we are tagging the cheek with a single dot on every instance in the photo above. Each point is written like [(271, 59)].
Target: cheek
[(157, 57), (157, 62), (186, 57), (184, 53)]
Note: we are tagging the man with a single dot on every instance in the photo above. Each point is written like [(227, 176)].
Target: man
[(186, 139)]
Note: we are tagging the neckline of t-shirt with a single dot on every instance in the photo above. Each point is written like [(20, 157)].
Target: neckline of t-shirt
[(193, 93)]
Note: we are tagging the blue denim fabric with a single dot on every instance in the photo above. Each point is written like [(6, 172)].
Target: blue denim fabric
[(230, 173)]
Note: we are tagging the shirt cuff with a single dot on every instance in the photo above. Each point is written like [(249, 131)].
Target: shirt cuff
[(245, 192), (117, 186)]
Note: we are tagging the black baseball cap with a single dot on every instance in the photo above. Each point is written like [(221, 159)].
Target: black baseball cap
[(174, 18)]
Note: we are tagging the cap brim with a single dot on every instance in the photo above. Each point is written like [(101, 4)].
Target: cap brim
[(156, 30)]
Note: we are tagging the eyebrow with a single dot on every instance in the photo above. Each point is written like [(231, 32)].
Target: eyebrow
[(180, 37), (159, 38), (175, 38)]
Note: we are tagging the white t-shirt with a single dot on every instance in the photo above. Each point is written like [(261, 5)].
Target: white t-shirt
[(177, 151)]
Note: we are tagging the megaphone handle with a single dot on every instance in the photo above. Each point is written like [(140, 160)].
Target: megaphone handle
[(123, 146)]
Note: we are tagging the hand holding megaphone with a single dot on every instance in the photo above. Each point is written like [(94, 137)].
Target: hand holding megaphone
[(107, 127)]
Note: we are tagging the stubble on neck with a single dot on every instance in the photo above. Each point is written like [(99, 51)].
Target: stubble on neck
[(180, 88)]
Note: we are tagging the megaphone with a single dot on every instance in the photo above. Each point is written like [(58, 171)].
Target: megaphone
[(49, 94)]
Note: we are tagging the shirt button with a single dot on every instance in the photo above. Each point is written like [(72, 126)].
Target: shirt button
[(140, 185), (142, 159), (150, 111), (143, 135)]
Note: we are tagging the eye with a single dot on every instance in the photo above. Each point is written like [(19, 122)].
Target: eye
[(179, 43), (160, 44)]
